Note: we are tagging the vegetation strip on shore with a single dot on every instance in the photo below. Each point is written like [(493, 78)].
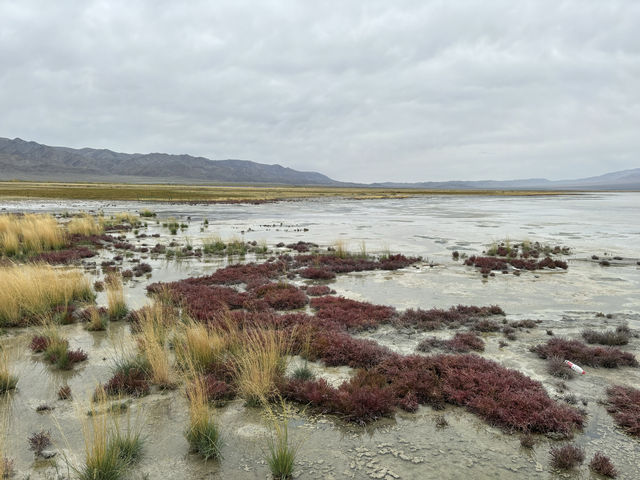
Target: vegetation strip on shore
[(226, 193)]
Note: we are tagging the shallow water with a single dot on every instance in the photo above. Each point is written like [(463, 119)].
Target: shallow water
[(409, 446)]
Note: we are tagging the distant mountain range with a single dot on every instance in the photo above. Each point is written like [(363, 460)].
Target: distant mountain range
[(23, 160), (622, 180)]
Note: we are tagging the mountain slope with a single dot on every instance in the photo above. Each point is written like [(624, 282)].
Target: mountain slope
[(32, 161)]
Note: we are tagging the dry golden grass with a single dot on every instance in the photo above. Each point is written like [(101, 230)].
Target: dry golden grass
[(96, 321), (29, 234), (198, 346), (102, 461), (155, 323), (28, 292), (126, 217), (260, 363), (161, 317), (84, 225), (6, 464), (116, 303), (341, 249), (8, 380)]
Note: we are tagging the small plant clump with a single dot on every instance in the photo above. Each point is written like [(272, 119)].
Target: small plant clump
[(64, 393), (566, 457), (603, 466), (39, 441), (527, 441)]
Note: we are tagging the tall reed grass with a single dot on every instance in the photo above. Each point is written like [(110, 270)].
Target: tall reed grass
[(29, 234), (28, 292)]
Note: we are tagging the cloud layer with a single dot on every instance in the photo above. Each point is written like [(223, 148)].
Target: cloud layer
[(359, 90)]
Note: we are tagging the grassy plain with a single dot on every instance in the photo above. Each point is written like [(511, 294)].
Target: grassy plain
[(222, 193)]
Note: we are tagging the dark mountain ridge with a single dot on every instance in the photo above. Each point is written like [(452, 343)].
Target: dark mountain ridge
[(24, 160)]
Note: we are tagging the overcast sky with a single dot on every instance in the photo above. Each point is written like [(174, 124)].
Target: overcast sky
[(359, 90)]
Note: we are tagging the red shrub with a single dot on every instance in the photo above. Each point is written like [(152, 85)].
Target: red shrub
[(436, 318), (336, 348), (413, 379), (76, 356), (465, 342), (302, 246), (361, 402), (502, 396), (39, 343), (357, 400), (318, 290), (580, 353), (352, 314), (65, 256), (623, 403), (217, 390), (282, 296), (485, 325), (567, 457), (131, 382), (353, 264), (317, 273)]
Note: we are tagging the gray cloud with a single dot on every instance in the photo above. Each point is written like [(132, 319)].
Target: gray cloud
[(360, 90)]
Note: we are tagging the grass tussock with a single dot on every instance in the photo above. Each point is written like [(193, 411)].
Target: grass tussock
[(115, 297), (261, 364), (28, 292), (203, 433), (109, 450), (85, 225), (97, 322), (281, 452), (23, 235), (8, 380)]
